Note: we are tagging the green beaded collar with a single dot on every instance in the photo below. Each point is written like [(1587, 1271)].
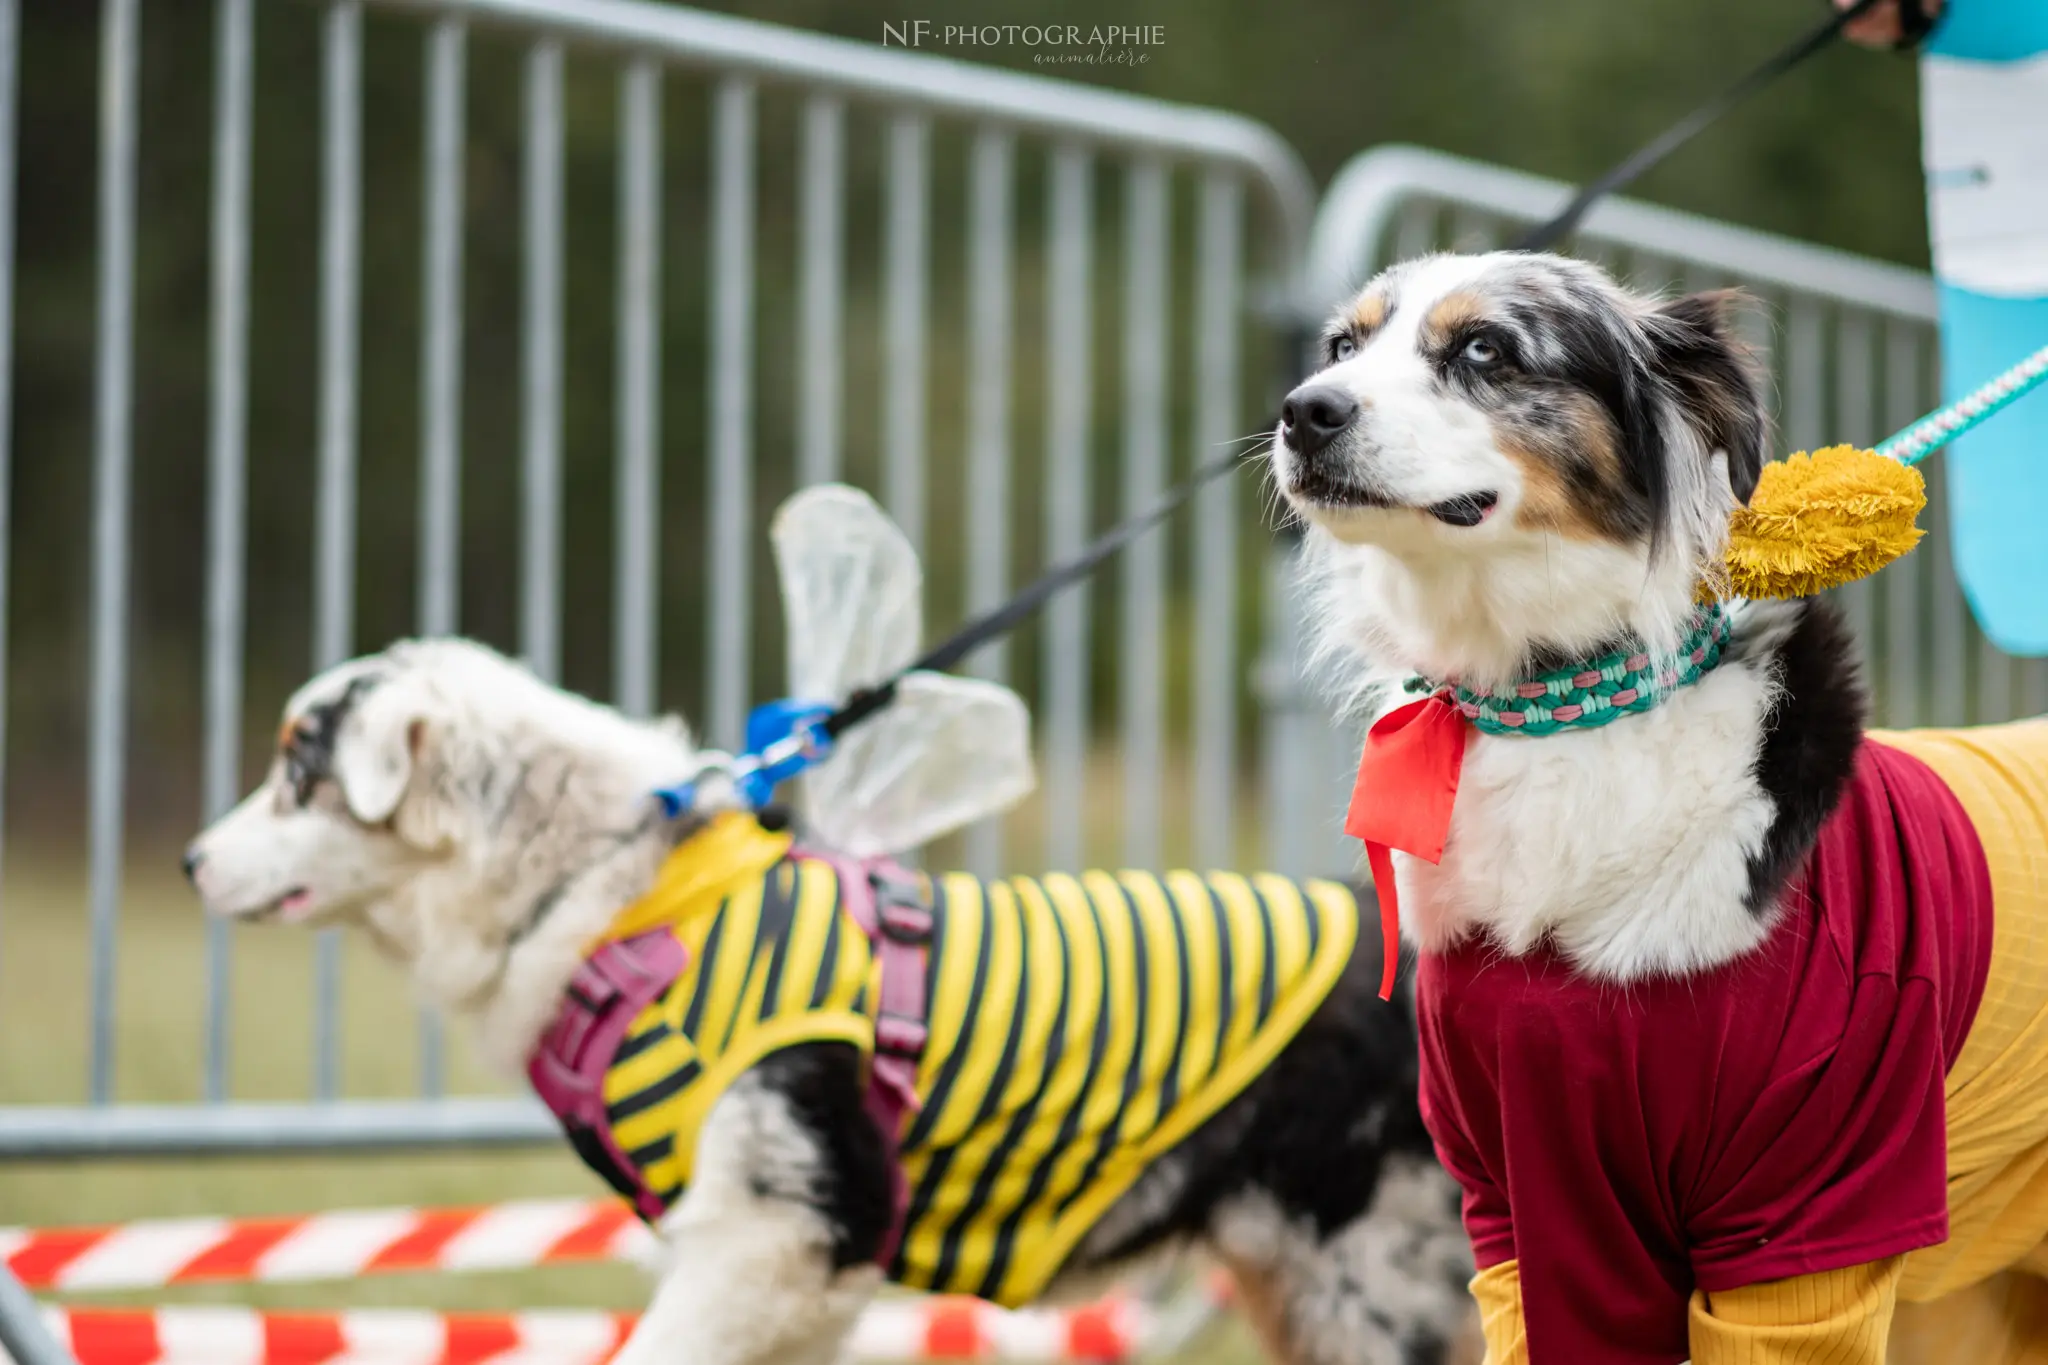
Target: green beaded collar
[(1596, 691)]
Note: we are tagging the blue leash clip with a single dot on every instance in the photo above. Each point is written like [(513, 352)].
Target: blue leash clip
[(783, 739)]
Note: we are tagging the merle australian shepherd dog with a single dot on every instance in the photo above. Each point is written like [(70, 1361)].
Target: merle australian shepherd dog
[(1716, 1036)]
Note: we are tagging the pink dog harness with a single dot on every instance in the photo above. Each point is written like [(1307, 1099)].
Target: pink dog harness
[(622, 977)]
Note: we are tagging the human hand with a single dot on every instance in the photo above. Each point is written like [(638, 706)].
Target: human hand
[(1882, 26)]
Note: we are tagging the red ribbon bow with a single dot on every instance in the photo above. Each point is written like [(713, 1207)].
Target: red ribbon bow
[(1407, 782)]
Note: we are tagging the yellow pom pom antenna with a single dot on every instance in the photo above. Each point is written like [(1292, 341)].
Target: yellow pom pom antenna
[(1818, 521)]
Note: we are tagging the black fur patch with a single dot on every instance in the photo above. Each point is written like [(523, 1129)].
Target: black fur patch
[(1601, 359), (1809, 744), (1714, 381), (309, 750), (822, 1083)]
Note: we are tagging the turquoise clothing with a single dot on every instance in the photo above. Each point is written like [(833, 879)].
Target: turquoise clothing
[(1998, 474), (1990, 30), (1984, 93)]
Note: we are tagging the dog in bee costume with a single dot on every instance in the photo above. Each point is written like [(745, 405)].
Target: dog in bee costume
[(813, 1070)]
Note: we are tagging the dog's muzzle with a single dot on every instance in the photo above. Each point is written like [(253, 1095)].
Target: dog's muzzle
[(1313, 417)]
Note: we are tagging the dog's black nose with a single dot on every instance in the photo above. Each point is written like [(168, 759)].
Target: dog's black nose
[(1313, 415), (190, 862)]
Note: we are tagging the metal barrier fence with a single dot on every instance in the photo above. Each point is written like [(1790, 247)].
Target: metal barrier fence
[(1850, 346), (1850, 343), (1245, 192)]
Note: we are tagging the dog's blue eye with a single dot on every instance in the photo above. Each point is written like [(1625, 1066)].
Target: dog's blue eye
[(1480, 351), (1342, 348)]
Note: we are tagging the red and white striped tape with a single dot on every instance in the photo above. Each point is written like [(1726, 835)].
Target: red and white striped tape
[(943, 1329), (151, 1253), (968, 1329), (385, 1336), (154, 1252)]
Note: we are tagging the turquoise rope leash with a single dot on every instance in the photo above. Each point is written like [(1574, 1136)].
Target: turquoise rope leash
[(1938, 428)]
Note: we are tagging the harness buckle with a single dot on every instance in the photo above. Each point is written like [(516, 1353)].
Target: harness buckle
[(900, 1035), (592, 987), (903, 918), (902, 913)]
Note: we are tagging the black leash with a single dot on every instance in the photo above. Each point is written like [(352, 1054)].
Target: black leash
[(1638, 162), (1007, 616)]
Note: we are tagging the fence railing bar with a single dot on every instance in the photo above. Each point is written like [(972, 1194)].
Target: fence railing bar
[(1293, 725), (1219, 252), (1949, 616), (1064, 657), (2033, 687), (1804, 414), (540, 561), (1604, 254), (731, 503), (50, 1132), (227, 511), (24, 1337), (1414, 230), (440, 565), (821, 289), (340, 305), (637, 591), (1142, 575), (907, 231), (1698, 276), (10, 31), (1756, 328), (1855, 421), (1904, 599), (1994, 683), (1474, 231), (990, 206), (113, 397), (442, 339), (335, 534), (1650, 270), (1801, 410)]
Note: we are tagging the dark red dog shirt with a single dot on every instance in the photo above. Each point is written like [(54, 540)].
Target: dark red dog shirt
[(1778, 1116)]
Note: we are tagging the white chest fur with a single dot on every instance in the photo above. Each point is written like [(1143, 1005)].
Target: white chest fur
[(1627, 846)]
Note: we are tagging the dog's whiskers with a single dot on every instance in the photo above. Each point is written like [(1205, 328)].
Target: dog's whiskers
[(1275, 513)]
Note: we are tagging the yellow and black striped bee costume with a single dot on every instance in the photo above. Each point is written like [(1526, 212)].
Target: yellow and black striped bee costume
[(1079, 1027)]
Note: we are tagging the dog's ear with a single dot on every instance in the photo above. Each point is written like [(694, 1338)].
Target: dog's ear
[(376, 747), (1715, 380)]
